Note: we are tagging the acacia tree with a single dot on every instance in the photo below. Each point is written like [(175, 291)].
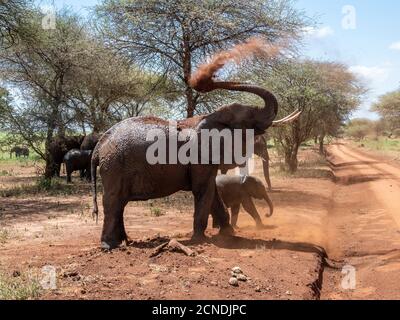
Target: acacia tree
[(172, 36), (13, 14), (105, 84), (40, 64), (66, 80), (359, 128), (3, 105), (343, 92), (326, 93), (388, 107)]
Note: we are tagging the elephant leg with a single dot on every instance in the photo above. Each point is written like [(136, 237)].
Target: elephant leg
[(113, 233), (249, 206), (220, 215), (203, 198), (58, 169), (88, 174), (234, 215), (69, 173)]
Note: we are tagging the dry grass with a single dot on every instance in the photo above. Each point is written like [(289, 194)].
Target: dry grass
[(19, 286)]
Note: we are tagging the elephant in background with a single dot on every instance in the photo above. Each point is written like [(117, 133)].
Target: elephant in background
[(59, 147), (19, 151), (90, 141), (80, 160), (239, 190)]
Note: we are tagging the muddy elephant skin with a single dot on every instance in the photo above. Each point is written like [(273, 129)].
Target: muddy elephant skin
[(90, 141), (127, 175)]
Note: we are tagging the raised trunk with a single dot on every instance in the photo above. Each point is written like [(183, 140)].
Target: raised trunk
[(267, 114)]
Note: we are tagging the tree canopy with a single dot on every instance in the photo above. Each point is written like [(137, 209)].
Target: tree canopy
[(388, 107), (173, 36), (325, 92)]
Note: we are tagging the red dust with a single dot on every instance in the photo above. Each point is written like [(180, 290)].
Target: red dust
[(202, 79)]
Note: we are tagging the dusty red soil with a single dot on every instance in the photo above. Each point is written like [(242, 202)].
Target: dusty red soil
[(354, 220), (365, 224)]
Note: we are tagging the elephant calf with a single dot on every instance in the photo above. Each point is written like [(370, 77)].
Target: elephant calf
[(78, 160), (239, 190)]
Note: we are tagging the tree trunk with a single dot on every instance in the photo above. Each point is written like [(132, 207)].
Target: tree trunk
[(50, 166), (187, 73), (291, 161), (191, 105), (321, 144), (51, 126)]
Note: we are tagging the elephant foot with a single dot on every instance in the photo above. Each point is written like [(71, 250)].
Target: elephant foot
[(227, 231), (199, 238), (108, 243), (261, 226), (235, 227)]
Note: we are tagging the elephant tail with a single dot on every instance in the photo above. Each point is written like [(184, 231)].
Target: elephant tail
[(93, 172)]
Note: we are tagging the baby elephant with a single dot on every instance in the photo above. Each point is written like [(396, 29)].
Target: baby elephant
[(76, 159), (239, 190)]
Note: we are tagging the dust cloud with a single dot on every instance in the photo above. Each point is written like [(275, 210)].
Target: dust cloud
[(202, 79)]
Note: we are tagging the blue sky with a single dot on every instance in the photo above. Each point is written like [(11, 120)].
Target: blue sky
[(365, 36)]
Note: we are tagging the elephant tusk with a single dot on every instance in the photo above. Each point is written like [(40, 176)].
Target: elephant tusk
[(291, 117)]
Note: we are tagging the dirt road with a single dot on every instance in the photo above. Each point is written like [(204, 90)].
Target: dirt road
[(363, 227)]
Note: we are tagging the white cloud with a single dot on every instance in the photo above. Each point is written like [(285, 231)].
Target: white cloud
[(371, 73), (320, 33), (395, 46)]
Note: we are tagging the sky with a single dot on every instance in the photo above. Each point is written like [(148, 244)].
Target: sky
[(364, 34)]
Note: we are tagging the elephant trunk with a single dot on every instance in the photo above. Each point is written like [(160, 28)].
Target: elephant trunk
[(270, 204), (266, 115)]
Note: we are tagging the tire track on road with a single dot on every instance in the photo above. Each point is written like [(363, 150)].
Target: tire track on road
[(365, 216)]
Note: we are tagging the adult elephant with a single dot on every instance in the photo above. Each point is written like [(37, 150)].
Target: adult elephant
[(90, 141), (59, 147), (127, 175)]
